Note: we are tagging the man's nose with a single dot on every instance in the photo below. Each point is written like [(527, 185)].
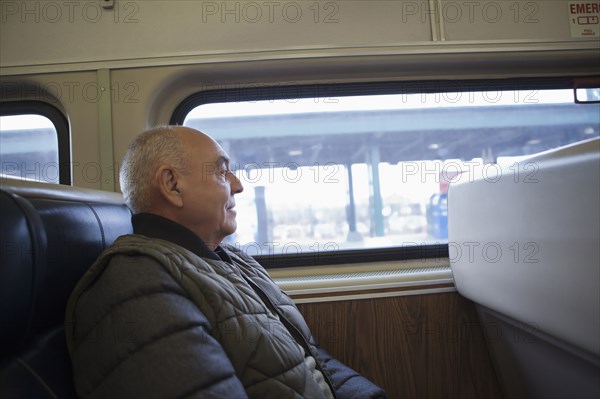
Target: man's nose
[(236, 184)]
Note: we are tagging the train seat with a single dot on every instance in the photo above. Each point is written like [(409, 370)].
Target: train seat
[(524, 247), (51, 234)]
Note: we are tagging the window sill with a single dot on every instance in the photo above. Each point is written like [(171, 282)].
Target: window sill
[(365, 280)]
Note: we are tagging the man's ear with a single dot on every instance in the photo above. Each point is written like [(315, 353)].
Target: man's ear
[(167, 178)]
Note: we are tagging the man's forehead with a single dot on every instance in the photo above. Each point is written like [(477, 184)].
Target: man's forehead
[(200, 145), (206, 156)]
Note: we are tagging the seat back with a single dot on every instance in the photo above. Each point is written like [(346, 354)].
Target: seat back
[(524, 248), (50, 235)]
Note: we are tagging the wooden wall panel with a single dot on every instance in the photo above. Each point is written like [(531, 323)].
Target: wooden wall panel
[(420, 346)]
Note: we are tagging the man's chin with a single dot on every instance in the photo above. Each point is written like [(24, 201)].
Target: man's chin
[(230, 229)]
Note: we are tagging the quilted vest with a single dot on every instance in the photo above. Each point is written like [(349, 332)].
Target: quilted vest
[(256, 323)]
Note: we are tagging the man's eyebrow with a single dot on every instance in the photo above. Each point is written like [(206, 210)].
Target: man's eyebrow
[(222, 160)]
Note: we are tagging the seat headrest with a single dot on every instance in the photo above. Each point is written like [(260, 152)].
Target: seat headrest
[(22, 254), (49, 240)]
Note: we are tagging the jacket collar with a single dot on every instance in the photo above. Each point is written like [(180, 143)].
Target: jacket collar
[(155, 226)]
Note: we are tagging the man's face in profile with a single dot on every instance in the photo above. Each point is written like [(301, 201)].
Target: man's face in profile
[(208, 189)]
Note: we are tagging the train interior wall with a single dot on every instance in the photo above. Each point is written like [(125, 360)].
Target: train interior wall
[(115, 71)]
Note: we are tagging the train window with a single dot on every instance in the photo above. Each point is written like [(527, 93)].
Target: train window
[(30, 143), (346, 172), (29, 148)]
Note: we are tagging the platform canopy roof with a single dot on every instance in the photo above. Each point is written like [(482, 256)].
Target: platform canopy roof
[(401, 135)]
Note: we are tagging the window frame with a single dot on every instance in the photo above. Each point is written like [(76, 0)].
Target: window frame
[(256, 92), (61, 125)]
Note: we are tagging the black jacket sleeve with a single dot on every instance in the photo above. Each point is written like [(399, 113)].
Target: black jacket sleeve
[(348, 384)]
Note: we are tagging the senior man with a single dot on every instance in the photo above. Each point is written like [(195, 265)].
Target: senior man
[(168, 312)]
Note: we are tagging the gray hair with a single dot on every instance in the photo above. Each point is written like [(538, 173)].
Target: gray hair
[(147, 151)]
